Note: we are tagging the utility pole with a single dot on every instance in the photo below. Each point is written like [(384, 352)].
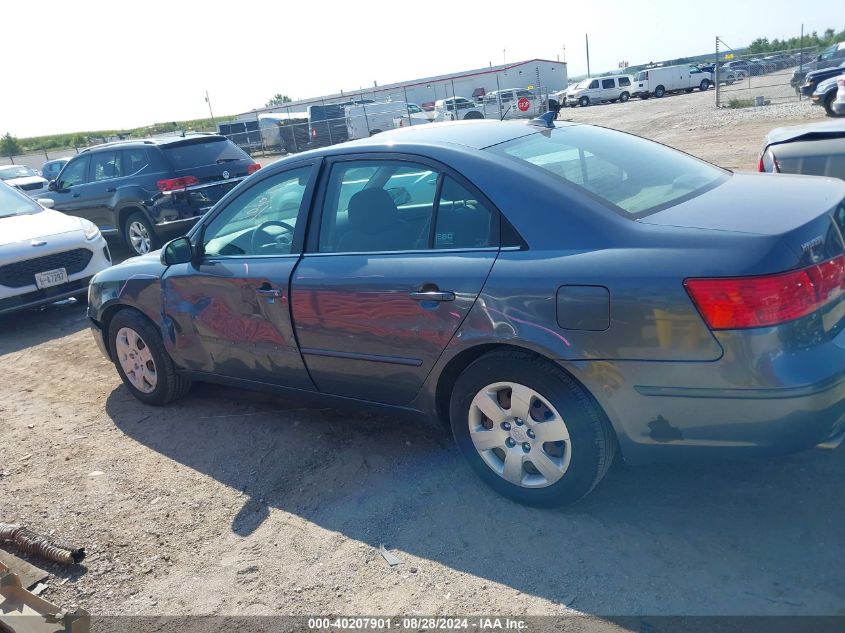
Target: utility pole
[(587, 40), (504, 59), (208, 101), (564, 53), (800, 59)]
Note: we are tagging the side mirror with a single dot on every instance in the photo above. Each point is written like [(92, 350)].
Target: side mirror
[(178, 251), (52, 186), (47, 203), (819, 58)]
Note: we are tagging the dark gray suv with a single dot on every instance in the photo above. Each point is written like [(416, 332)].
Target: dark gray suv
[(554, 294), (148, 190)]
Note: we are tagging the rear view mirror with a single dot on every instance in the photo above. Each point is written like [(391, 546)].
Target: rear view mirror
[(178, 251)]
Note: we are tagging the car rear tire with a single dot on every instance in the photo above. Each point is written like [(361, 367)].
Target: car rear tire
[(624, 97), (473, 115), (704, 86), (659, 92), (141, 360), (139, 234), (529, 431), (584, 102)]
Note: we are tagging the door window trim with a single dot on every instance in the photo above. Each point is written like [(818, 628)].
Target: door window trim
[(197, 235), (312, 240)]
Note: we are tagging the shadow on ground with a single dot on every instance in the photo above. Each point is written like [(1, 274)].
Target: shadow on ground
[(761, 536)]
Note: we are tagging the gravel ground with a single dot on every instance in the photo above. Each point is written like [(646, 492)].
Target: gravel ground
[(233, 503)]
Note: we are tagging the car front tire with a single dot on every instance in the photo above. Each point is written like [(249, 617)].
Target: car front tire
[(529, 431), (141, 360)]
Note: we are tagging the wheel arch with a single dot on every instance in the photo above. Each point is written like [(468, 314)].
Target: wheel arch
[(128, 209), (463, 359), (108, 315)]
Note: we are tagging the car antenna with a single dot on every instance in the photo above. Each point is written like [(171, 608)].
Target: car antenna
[(506, 112), (544, 120)]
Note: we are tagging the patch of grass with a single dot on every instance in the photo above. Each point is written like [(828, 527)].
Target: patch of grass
[(740, 103)]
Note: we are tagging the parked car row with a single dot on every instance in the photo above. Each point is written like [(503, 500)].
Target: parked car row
[(833, 55)]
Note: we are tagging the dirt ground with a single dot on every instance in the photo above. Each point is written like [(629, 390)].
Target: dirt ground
[(233, 503)]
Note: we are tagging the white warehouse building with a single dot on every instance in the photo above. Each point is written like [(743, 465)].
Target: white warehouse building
[(541, 75)]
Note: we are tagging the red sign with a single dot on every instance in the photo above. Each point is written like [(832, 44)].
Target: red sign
[(523, 104)]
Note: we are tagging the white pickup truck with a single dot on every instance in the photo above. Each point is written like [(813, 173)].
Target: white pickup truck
[(658, 81)]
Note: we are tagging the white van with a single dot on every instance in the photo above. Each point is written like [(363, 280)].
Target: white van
[(364, 120), (659, 81), (596, 90)]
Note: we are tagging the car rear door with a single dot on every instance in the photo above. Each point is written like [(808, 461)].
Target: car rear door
[(229, 313), (397, 259)]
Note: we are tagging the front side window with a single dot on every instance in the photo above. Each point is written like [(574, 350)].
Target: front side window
[(633, 176), (74, 173), (106, 165), (262, 220), (594, 83)]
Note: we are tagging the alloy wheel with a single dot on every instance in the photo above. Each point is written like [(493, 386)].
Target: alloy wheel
[(136, 360), (139, 237), (519, 434)]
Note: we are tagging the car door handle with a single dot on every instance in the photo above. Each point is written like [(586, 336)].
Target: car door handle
[(76, 195), (269, 292), (111, 190), (433, 295)]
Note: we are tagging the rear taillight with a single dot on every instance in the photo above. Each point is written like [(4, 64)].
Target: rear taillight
[(171, 184), (747, 302), (841, 82), (760, 166), (253, 168)]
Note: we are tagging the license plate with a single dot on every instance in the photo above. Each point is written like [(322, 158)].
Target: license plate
[(51, 278)]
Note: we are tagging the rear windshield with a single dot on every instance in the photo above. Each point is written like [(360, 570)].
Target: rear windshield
[(198, 154), (16, 171), (633, 176)]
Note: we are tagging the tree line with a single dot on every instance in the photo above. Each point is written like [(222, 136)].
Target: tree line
[(811, 40)]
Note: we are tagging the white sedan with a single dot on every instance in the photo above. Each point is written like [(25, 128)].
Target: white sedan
[(24, 178), (45, 256)]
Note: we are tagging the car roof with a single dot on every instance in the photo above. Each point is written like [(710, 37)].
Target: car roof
[(809, 131), (476, 134)]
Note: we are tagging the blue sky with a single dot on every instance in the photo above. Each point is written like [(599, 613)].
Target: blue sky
[(98, 64)]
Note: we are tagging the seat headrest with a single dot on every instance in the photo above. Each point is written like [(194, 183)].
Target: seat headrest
[(371, 210)]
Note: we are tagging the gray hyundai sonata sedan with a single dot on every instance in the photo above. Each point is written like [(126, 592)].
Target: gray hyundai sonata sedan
[(555, 293)]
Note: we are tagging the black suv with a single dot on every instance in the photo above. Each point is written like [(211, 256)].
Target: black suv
[(147, 191)]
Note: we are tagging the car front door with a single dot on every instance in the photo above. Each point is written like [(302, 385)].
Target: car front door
[(70, 186), (392, 268), (229, 313)]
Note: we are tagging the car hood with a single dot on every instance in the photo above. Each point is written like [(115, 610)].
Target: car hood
[(826, 84), (30, 226), (25, 180)]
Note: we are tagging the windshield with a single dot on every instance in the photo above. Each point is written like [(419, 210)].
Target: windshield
[(584, 83), (16, 171), (15, 203), (635, 177)]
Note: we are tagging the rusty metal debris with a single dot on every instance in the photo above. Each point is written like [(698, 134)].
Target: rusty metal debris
[(37, 545), (24, 612)]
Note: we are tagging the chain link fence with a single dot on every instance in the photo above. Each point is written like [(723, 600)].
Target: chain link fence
[(289, 129), (749, 79)]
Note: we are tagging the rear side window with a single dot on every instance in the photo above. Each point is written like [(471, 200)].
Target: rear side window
[(134, 160), (633, 176), (106, 165), (624, 81), (607, 83), (198, 154), (462, 220)]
